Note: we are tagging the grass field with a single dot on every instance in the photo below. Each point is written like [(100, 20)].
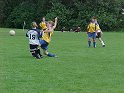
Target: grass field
[(78, 69)]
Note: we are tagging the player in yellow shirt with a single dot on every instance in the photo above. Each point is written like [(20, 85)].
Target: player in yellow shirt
[(43, 24), (91, 31), (46, 37)]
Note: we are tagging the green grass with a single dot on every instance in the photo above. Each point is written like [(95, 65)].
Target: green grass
[(78, 69)]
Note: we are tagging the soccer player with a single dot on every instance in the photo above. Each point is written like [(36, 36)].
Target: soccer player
[(46, 37), (43, 24), (33, 35), (63, 29), (91, 31), (78, 29), (99, 35)]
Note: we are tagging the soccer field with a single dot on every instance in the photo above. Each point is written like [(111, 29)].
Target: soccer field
[(78, 69)]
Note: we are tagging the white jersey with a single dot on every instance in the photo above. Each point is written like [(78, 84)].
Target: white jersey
[(98, 31), (99, 27), (33, 36)]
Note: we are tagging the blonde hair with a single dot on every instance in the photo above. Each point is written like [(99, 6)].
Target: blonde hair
[(51, 22), (34, 24)]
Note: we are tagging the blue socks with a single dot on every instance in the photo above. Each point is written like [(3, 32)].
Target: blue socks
[(89, 43), (94, 44), (50, 55)]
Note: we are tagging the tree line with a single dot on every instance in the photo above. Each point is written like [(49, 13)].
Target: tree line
[(71, 13)]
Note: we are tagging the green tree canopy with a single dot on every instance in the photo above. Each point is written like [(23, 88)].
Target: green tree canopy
[(71, 13)]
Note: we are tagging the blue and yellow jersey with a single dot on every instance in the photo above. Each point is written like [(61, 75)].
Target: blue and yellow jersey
[(93, 27), (43, 25), (47, 36)]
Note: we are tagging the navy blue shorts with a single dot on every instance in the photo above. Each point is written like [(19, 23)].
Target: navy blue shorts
[(44, 44), (33, 47), (98, 35), (92, 35)]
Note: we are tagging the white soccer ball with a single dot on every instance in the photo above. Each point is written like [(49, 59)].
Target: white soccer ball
[(11, 32)]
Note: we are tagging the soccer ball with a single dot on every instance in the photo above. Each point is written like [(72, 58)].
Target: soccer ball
[(11, 32)]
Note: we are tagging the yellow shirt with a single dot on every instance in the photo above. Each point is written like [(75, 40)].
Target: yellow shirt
[(43, 25), (47, 36), (92, 27)]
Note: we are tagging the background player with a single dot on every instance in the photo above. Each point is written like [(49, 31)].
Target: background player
[(46, 37), (91, 31), (33, 36), (43, 24), (99, 34)]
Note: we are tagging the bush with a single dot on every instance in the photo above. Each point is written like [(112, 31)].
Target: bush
[(71, 13), (23, 12), (60, 11)]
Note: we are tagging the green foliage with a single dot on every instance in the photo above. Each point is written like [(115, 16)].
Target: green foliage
[(43, 7), (23, 12), (60, 11), (71, 13), (1, 13)]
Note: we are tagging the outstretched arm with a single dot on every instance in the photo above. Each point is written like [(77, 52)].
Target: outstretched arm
[(55, 24), (48, 30)]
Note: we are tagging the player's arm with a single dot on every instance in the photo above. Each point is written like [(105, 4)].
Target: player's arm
[(55, 24), (87, 28), (48, 30), (27, 34), (39, 34), (40, 25)]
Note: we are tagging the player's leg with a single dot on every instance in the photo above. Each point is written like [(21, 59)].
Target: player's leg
[(102, 42), (94, 39), (99, 35), (48, 54), (33, 50), (94, 42), (89, 39), (44, 46), (89, 42), (38, 52)]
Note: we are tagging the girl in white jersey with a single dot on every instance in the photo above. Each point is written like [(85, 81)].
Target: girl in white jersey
[(99, 35), (33, 36)]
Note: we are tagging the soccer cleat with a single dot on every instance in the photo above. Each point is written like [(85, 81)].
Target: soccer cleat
[(94, 46), (40, 55), (37, 56), (103, 45), (33, 55), (56, 56), (51, 55)]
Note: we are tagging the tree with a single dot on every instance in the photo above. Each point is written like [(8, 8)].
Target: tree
[(1, 13), (60, 11), (24, 12), (71, 13)]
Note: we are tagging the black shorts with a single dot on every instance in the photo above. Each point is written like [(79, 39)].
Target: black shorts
[(33, 47), (98, 35)]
